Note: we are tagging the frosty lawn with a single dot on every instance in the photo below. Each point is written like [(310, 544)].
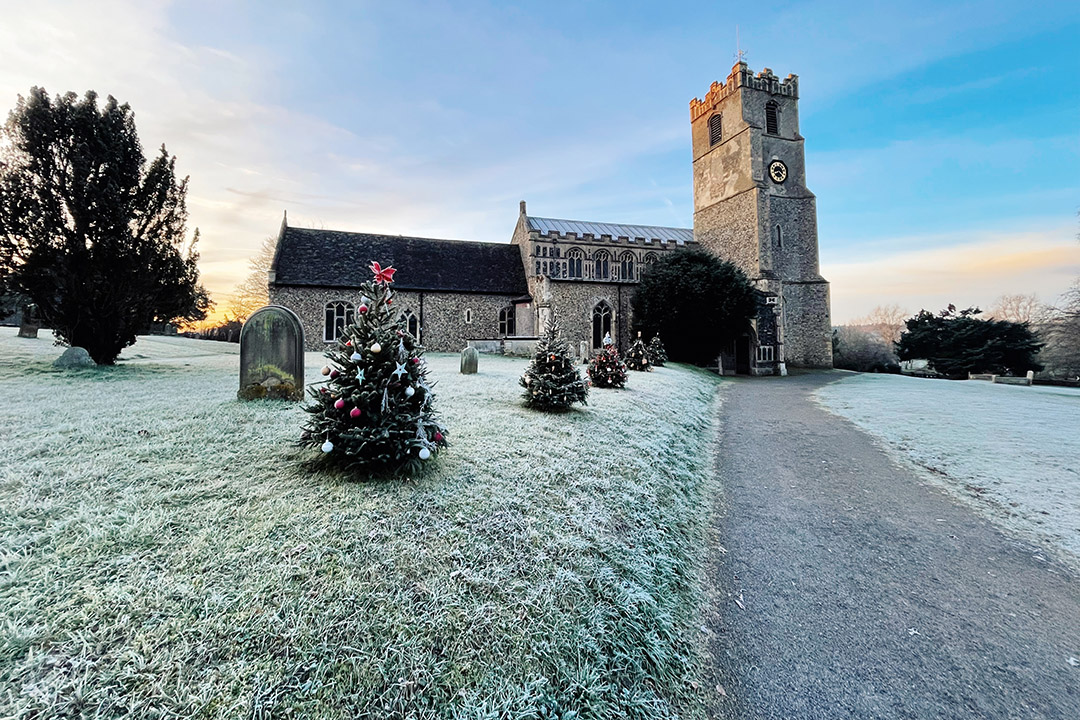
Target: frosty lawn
[(1011, 451), (164, 555)]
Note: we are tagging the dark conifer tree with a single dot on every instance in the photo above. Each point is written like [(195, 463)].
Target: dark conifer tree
[(637, 357), (373, 414), (607, 369), (90, 232), (551, 381), (657, 352)]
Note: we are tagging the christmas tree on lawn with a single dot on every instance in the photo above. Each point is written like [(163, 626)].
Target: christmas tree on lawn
[(657, 352), (607, 369), (551, 381), (637, 358), (373, 413)]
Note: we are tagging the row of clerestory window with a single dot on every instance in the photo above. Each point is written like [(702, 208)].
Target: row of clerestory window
[(772, 123), (601, 263)]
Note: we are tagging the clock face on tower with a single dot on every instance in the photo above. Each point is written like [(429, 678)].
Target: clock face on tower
[(777, 171)]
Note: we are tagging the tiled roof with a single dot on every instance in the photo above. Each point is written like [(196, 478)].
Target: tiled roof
[(615, 230), (330, 258)]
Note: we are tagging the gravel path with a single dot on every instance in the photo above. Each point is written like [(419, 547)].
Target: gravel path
[(857, 591)]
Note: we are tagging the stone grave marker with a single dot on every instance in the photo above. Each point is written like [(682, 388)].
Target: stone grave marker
[(272, 355), (29, 323), (74, 358), (470, 359)]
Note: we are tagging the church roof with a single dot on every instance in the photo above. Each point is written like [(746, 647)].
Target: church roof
[(331, 258), (614, 230)]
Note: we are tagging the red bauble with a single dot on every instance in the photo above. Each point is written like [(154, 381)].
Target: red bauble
[(334, 374), (339, 403), (362, 309), (355, 412), (348, 343), (416, 361), (389, 300), (438, 437)]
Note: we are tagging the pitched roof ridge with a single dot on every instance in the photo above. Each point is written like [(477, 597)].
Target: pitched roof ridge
[(403, 237), (602, 222)]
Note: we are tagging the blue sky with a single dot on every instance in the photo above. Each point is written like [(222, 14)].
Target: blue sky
[(942, 139)]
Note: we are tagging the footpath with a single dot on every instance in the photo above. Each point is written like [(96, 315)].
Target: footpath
[(851, 589)]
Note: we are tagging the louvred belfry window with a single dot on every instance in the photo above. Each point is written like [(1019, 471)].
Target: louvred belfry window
[(772, 122), (716, 129)]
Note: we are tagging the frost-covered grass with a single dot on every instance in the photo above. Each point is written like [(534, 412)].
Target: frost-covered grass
[(1014, 452), (163, 554)]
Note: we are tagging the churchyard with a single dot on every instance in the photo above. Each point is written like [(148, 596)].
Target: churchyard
[(165, 552), (1009, 451)]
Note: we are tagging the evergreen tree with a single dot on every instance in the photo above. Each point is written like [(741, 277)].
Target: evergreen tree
[(374, 412), (551, 381), (637, 357), (957, 343), (90, 232), (607, 369), (657, 352)]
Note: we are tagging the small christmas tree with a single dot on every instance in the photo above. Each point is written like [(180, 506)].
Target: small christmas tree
[(551, 381), (657, 352), (373, 413), (637, 358), (607, 369)]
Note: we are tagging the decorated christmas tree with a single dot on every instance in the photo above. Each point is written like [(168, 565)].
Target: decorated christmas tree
[(373, 413), (607, 369), (657, 352), (637, 357), (551, 381)]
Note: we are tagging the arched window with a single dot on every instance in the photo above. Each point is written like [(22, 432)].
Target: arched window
[(574, 261), (626, 266), (716, 130), (468, 316), (601, 323), (507, 321), (412, 323), (772, 120), (338, 314), (779, 238), (600, 265), (649, 258)]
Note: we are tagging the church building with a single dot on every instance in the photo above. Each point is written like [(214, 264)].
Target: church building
[(751, 207)]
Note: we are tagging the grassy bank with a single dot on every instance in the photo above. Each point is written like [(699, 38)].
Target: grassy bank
[(164, 555)]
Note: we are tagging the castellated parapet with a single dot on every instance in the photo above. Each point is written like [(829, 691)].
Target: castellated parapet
[(742, 76)]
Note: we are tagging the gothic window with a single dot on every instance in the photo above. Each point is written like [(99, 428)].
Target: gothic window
[(601, 323), (772, 122), (412, 323), (626, 266), (468, 317), (779, 238), (537, 268), (507, 321), (716, 131), (338, 314), (649, 258), (600, 266), (574, 263)]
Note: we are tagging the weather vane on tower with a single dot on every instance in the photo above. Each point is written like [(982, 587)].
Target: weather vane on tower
[(740, 54)]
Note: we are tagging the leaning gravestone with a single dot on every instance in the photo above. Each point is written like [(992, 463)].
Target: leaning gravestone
[(470, 359), (272, 355), (74, 357)]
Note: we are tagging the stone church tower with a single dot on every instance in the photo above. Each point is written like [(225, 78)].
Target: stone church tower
[(752, 207)]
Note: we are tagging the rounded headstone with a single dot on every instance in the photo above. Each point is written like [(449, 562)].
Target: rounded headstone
[(74, 357), (470, 359)]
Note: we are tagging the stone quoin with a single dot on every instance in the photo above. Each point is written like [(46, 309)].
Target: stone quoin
[(751, 207)]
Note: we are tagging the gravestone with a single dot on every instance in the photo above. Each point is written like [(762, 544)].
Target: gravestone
[(74, 357), (272, 355), (29, 323), (470, 359)]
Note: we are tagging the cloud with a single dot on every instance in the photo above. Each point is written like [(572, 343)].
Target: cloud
[(963, 271)]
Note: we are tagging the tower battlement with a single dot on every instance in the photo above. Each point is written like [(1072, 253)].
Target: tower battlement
[(742, 76)]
